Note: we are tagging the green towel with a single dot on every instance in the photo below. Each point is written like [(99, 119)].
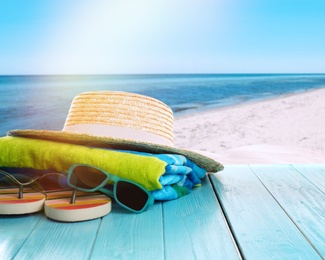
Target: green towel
[(21, 152)]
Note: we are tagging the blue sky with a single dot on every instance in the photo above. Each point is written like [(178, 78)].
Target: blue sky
[(161, 36)]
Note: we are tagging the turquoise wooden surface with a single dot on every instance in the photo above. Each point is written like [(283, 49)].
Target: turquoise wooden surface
[(58, 240), (195, 228), (191, 227), (14, 231), (299, 199), (272, 211), (314, 173), (261, 226), (125, 235)]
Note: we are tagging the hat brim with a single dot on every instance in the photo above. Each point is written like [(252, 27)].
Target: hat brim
[(117, 143)]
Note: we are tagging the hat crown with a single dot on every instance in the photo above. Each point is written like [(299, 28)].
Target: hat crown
[(113, 112)]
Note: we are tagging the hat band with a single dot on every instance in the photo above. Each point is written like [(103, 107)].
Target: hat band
[(118, 132)]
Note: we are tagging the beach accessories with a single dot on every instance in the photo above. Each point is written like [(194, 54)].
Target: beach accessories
[(78, 205), (126, 193), (57, 203), (120, 120), (19, 200), (88, 178), (156, 172)]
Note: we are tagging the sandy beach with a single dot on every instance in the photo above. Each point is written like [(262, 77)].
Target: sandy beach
[(288, 129)]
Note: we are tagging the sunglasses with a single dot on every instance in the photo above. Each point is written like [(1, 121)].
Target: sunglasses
[(126, 193), (32, 182)]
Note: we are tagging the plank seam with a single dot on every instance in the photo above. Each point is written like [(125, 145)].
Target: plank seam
[(303, 175), (228, 224), (96, 235)]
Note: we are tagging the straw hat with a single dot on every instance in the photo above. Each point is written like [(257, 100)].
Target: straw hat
[(120, 120)]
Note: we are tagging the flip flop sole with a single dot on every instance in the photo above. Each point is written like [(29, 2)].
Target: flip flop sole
[(10, 204), (85, 208)]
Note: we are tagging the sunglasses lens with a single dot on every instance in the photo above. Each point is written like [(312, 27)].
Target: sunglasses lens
[(131, 195), (87, 177)]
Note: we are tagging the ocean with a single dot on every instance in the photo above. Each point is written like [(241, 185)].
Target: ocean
[(42, 102)]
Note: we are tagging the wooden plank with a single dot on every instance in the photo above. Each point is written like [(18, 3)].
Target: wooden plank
[(314, 173), (126, 235), (195, 228), (59, 240), (262, 229), (303, 202), (14, 231), (190, 227)]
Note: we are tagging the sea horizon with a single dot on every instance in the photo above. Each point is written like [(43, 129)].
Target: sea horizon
[(43, 101), (171, 74)]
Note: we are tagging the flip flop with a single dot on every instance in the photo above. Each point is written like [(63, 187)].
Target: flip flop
[(87, 206), (11, 204)]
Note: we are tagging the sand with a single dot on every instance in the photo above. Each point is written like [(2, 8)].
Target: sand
[(288, 129)]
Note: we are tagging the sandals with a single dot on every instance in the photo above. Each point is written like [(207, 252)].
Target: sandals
[(57, 204)]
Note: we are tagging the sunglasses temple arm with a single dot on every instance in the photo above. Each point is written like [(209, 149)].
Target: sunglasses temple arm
[(107, 192), (151, 200)]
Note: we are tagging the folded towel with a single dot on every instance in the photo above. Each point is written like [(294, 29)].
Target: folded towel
[(180, 176), (167, 176), (19, 152)]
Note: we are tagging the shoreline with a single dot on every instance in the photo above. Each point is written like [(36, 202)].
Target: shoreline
[(285, 129), (200, 111)]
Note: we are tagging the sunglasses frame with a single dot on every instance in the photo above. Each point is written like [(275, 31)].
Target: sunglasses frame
[(110, 193), (21, 185)]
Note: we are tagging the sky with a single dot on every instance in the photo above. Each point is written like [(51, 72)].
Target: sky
[(161, 36)]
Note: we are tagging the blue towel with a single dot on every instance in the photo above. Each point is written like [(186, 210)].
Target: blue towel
[(181, 175)]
